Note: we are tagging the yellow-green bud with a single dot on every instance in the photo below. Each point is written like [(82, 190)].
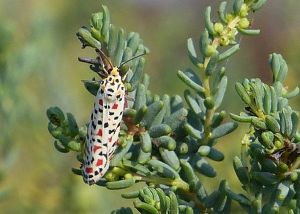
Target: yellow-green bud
[(278, 144), (201, 65), (282, 167), (224, 41), (209, 102), (244, 10), (128, 176), (118, 171), (229, 17), (210, 50), (294, 176), (218, 27), (244, 23), (157, 205), (231, 34), (110, 176)]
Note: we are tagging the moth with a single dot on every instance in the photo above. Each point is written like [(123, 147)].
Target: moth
[(104, 126)]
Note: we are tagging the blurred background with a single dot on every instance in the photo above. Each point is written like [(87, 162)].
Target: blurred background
[(39, 68)]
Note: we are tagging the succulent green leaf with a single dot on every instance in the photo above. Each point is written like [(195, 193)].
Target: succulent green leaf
[(229, 52), (118, 55), (192, 52), (212, 64), (140, 114), (258, 4), (87, 39), (129, 195), (192, 131), (121, 184), (123, 210), (258, 123), (204, 42), (55, 115), (265, 178), (136, 167), (140, 97), (267, 100), (60, 148), (138, 74), (163, 169), (243, 93), (267, 139), (222, 11), (241, 170), (72, 124), (223, 129), (241, 118), (133, 42), (166, 142), (106, 24), (170, 158), (173, 203), (218, 97), (145, 208), (91, 86), (121, 152), (163, 201), (113, 40), (272, 124), (189, 82), (160, 130), (249, 32), (208, 23), (237, 5), (205, 168), (292, 93), (152, 111), (146, 142)]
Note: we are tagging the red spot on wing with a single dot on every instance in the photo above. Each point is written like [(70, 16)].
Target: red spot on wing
[(101, 102), (115, 106), (96, 148), (99, 133), (99, 162), (89, 170), (110, 139)]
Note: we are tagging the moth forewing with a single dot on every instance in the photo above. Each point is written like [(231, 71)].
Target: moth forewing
[(104, 127)]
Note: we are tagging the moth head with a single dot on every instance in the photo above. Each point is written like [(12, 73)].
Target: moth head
[(115, 71), (108, 68)]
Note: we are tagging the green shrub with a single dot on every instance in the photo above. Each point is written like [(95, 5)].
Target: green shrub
[(167, 143)]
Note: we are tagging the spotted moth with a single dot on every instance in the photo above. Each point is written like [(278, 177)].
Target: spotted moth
[(104, 126)]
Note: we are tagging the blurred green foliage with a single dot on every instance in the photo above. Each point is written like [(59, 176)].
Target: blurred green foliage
[(38, 67)]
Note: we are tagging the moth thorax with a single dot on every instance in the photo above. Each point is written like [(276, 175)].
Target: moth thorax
[(114, 71)]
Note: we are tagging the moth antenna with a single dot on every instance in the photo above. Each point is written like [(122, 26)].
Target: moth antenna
[(102, 54), (131, 59)]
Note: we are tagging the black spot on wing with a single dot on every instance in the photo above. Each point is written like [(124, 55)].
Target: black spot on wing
[(93, 124)]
